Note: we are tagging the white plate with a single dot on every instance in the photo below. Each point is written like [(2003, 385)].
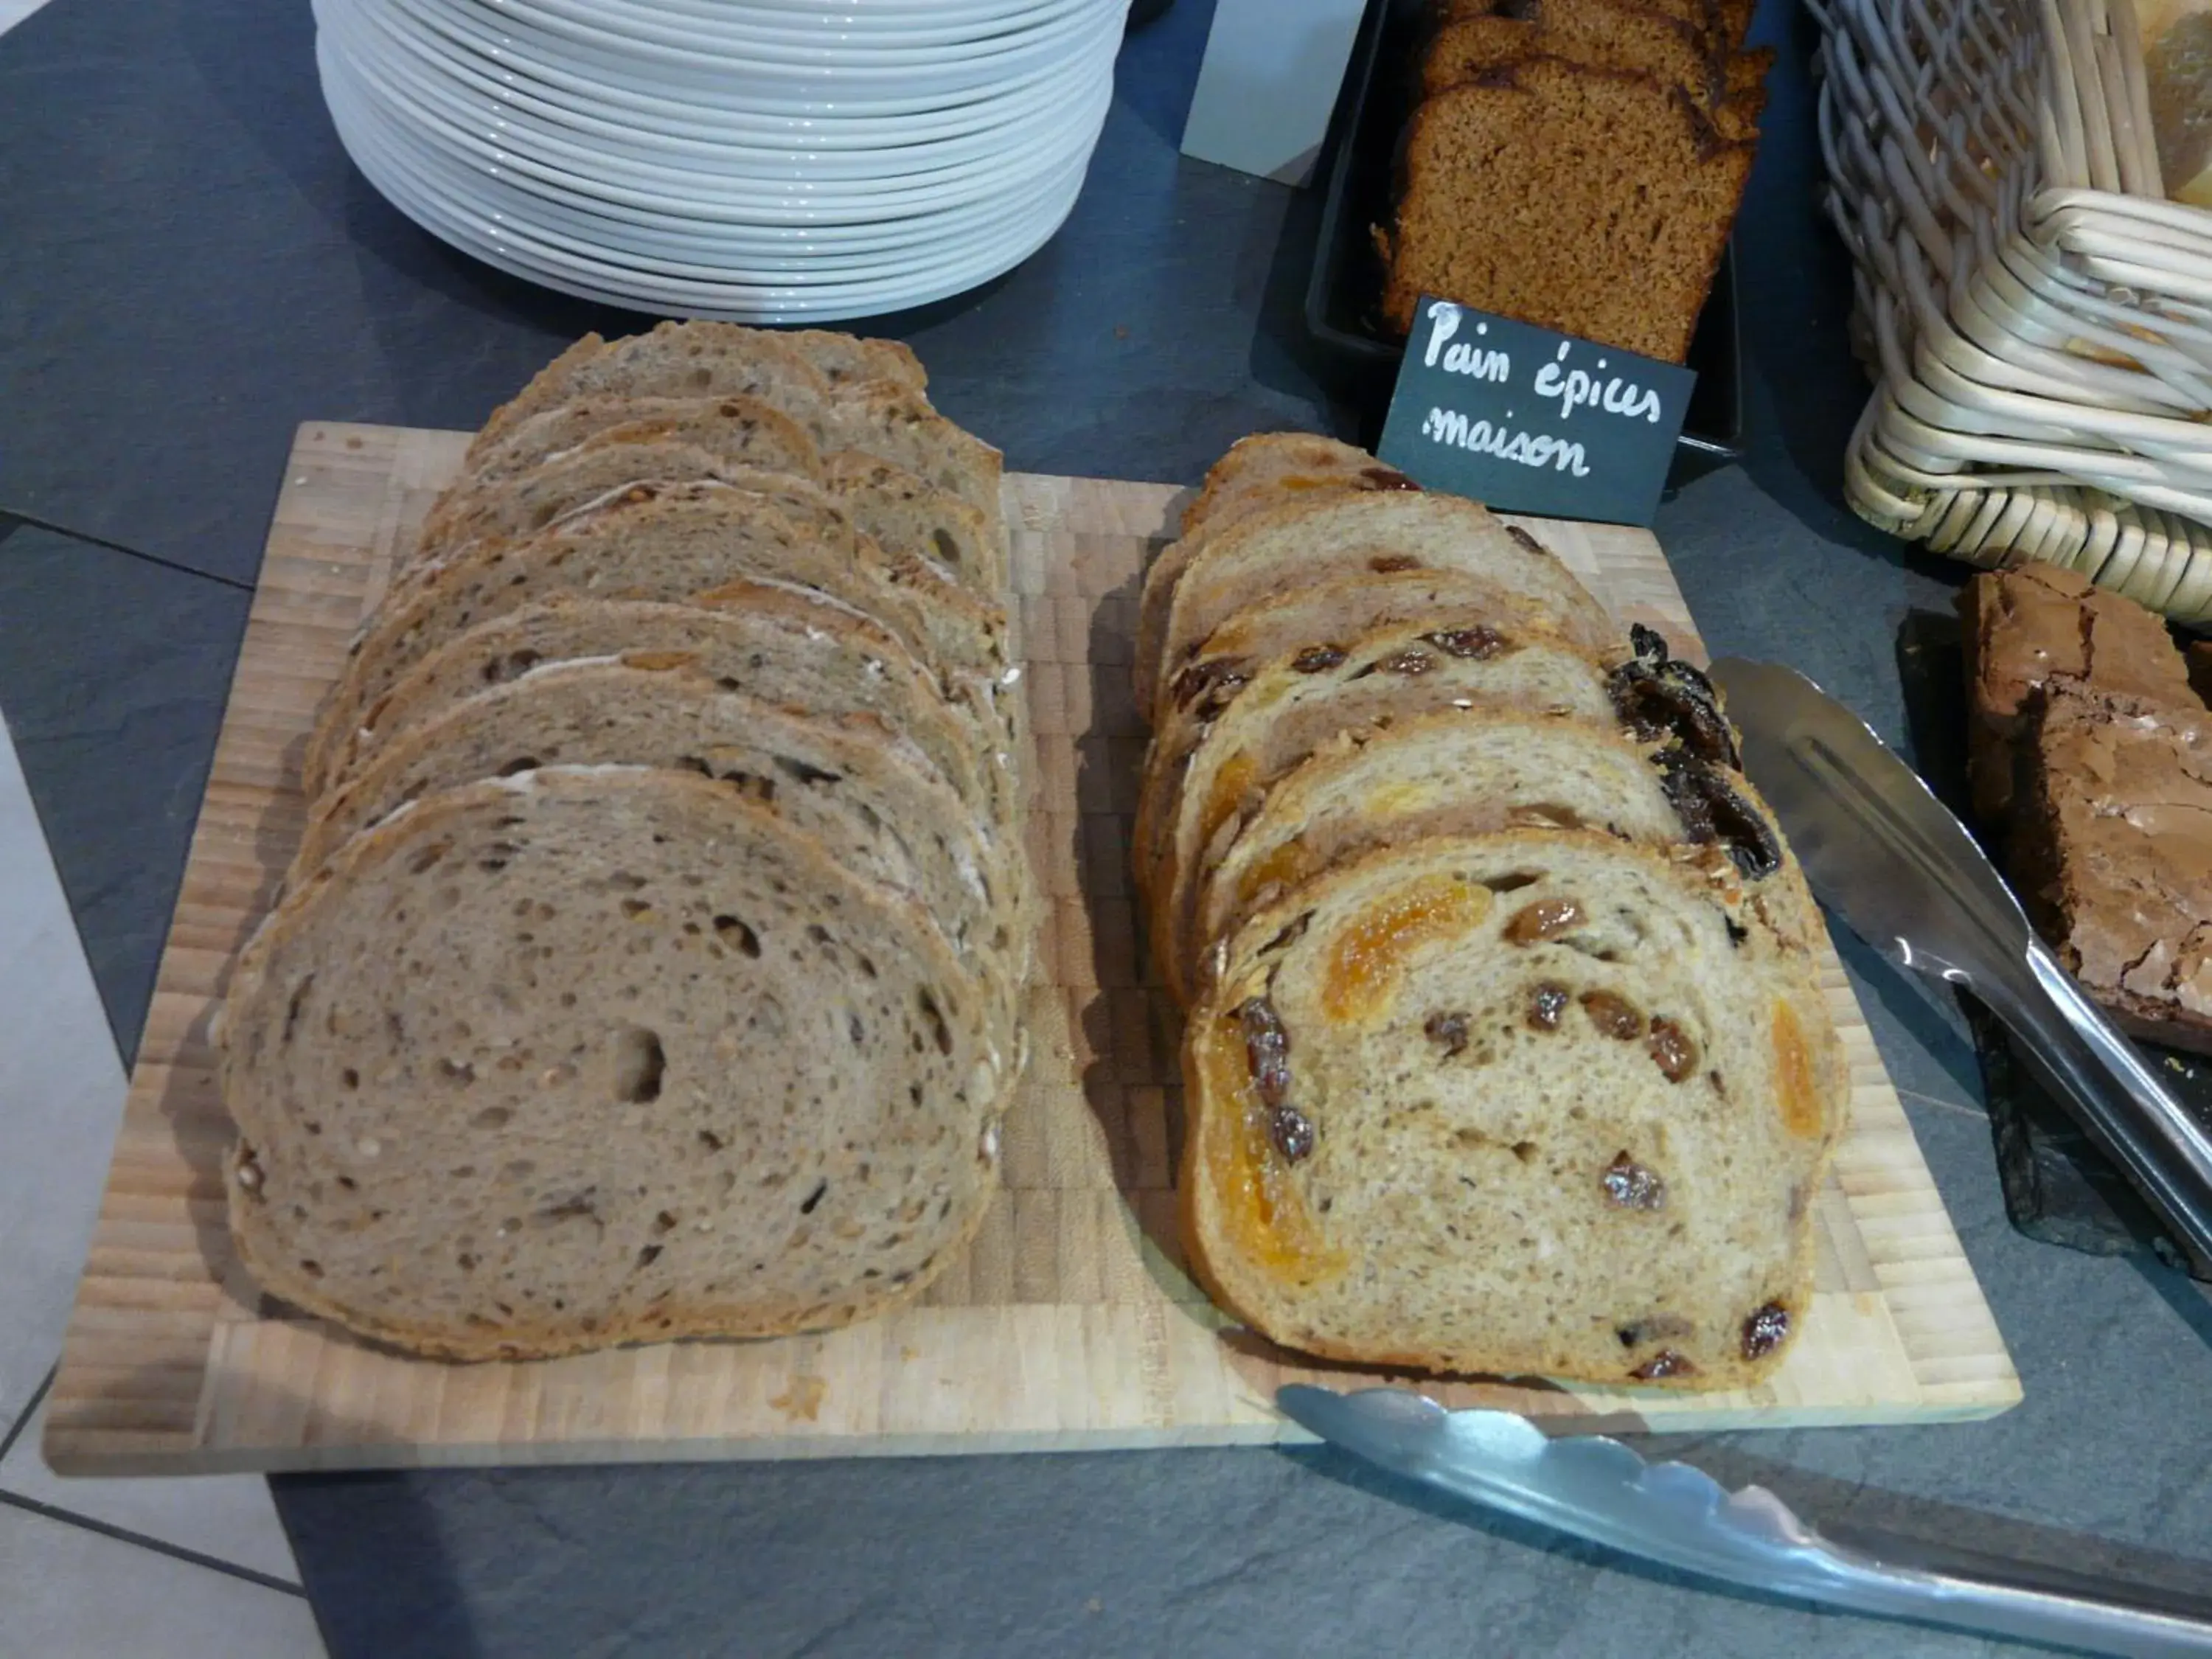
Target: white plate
[(556, 166), (653, 196), (623, 75), (561, 94), (458, 90), (730, 302), (575, 230), (577, 226), (615, 271), (829, 45)]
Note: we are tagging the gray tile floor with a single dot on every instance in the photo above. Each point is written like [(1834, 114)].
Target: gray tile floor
[(184, 1569), (171, 1569)]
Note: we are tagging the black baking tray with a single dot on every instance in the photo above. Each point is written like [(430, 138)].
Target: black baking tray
[(2058, 1187), (1344, 295)]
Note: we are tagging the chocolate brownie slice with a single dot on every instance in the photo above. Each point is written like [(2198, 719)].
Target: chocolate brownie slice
[(2042, 623), (2111, 853)]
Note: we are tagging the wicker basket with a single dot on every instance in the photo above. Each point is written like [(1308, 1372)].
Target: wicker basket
[(2037, 315)]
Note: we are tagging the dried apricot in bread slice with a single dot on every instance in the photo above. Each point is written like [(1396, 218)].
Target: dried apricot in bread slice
[(1261, 470), (655, 542), (1209, 767), (1339, 534), (1531, 1088), (600, 1056), (852, 784), (692, 360), (770, 640), (1460, 772)]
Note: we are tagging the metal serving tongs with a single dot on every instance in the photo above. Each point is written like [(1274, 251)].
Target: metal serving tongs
[(1601, 1490), (1887, 856)]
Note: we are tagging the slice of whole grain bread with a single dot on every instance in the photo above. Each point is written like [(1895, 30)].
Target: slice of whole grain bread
[(595, 1055), (651, 541), (853, 783), (770, 640)]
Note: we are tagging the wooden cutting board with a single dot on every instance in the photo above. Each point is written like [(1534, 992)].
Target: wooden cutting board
[(1070, 1323)]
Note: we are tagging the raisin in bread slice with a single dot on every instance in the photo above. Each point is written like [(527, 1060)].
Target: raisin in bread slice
[(600, 1056), (768, 639), (689, 359), (1234, 740), (1261, 470), (1517, 1104), (1460, 772), (1305, 544), (852, 784)]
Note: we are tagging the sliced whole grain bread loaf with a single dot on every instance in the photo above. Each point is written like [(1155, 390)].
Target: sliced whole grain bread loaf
[(598, 1055), (742, 431), (653, 542), (1303, 545), (893, 424), (1518, 1103), (675, 360), (1265, 469), (1459, 772), (852, 784), (596, 471), (1218, 759), (849, 360), (769, 640)]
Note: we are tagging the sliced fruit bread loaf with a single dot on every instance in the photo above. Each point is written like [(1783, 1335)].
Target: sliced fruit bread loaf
[(1265, 469), (590, 1056), (1295, 704), (1301, 544), (1521, 1104), (1461, 772)]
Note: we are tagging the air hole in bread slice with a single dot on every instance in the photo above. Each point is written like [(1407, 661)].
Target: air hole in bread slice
[(639, 1062), (737, 935)]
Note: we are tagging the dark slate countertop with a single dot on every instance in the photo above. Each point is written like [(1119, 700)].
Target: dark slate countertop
[(189, 267)]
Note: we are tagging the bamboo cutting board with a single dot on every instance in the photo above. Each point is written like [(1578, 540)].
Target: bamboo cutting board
[(1070, 1324)]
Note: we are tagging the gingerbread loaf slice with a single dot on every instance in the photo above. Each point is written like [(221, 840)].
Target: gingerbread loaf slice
[(1591, 200)]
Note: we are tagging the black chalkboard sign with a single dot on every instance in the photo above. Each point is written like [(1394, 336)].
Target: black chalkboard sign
[(1529, 421)]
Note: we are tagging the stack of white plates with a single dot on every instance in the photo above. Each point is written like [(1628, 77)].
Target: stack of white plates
[(758, 161)]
